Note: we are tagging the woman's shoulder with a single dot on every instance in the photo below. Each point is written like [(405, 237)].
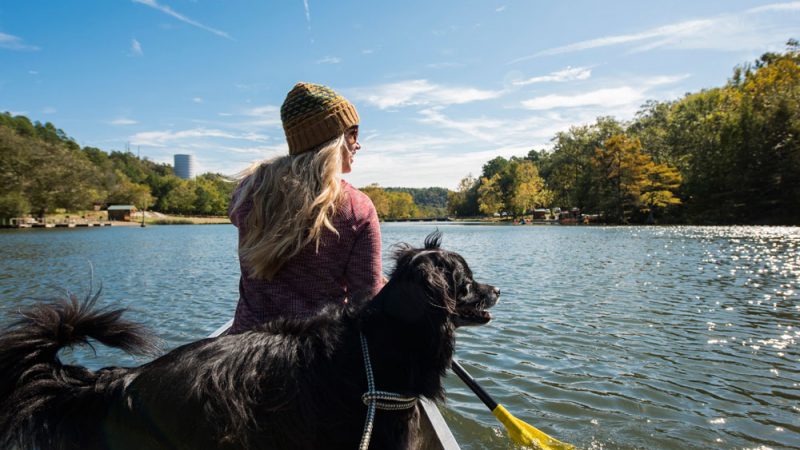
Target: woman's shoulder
[(360, 202)]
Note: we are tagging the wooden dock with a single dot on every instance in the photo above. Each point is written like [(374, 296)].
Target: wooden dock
[(14, 223)]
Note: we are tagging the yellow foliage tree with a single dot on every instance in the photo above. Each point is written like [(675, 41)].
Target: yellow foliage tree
[(490, 195), (379, 199), (627, 179)]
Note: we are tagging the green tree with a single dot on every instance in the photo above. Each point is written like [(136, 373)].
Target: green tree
[(464, 201), (495, 166), (212, 194), (181, 199), (126, 192), (13, 204), (568, 169)]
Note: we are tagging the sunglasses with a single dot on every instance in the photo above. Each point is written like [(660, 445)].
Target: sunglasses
[(352, 134)]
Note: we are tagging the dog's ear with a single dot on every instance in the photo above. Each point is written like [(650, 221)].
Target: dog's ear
[(403, 300)]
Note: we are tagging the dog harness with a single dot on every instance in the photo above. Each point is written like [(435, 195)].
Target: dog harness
[(375, 399)]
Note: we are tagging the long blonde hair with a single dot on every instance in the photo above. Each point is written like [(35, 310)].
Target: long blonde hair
[(294, 197)]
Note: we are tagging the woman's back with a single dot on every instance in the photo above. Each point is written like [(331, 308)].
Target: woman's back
[(344, 266)]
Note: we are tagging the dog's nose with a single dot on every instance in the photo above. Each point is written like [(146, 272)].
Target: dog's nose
[(496, 291)]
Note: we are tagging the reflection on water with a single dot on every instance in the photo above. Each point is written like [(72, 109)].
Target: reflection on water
[(609, 338)]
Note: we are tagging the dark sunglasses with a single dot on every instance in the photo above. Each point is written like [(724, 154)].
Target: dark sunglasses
[(352, 134)]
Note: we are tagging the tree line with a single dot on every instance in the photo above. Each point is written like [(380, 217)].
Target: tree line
[(724, 155), (43, 170), (407, 203)]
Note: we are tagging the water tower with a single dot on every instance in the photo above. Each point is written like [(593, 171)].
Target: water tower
[(185, 166)]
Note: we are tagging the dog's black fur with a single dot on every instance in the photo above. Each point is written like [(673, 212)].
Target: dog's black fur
[(289, 384)]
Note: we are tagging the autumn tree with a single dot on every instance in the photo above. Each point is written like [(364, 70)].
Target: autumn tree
[(490, 195), (628, 181), (526, 190), (658, 188), (379, 199), (401, 205)]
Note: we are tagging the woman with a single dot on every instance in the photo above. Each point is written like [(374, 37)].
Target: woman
[(307, 238)]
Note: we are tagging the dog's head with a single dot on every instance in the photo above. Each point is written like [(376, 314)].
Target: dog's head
[(433, 282)]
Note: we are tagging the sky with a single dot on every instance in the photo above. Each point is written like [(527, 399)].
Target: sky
[(441, 86)]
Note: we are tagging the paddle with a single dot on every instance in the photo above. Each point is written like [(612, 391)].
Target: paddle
[(520, 432)]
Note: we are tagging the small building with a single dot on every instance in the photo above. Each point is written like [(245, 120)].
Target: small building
[(121, 212), (569, 217), (541, 214)]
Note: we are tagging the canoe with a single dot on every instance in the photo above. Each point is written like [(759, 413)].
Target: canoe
[(436, 435)]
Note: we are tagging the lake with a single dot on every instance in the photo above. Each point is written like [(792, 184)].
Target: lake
[(604, 337)]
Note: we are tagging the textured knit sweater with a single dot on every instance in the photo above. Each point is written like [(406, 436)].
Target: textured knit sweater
[(346, 266)]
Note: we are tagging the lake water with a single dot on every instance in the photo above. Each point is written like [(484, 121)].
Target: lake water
[(608, 338)]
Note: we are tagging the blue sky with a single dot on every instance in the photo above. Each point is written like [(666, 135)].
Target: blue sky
[(441, 87)]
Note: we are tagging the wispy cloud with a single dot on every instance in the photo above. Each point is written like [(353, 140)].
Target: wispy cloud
[(568, 74), (501, 8), (136, 48), (329, 60), (11, 42), (263, 111), (123, 121), (169, 11), (188, 138), (260, 117), (308, 12), (420, 92), (668, 32), (608, 97), (476, 128), (198, 100), (631, 95), (775, 7), (726, 32)]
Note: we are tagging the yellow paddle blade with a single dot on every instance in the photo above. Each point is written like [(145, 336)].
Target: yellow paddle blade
[(527, 435)]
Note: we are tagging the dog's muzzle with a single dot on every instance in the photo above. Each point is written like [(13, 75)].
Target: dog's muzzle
[(474, 312)]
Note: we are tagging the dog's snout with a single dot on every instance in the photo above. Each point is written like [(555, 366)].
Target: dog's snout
[(496, 291)]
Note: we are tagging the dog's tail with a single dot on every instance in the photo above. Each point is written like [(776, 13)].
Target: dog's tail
[(35, 388)]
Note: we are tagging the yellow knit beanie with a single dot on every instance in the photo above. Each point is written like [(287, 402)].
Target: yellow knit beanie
[(313, 114)]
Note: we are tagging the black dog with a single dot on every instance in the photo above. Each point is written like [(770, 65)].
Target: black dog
[(289, 384)]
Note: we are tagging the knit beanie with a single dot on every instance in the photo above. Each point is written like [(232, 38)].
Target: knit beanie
[(313, 114)]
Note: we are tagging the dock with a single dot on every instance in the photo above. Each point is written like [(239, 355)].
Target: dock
[(33, 223)]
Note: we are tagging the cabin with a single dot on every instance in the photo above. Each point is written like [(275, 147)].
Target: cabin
[(541, 214), (568, 217), (121, 212)]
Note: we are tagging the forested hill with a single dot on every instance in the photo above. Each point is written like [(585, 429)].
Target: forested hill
[(433, 197), (42, 170)]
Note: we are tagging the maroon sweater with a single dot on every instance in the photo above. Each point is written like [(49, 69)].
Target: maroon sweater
[(347, 266)]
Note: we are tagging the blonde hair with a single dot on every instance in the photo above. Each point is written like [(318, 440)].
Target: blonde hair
[(294, 197)]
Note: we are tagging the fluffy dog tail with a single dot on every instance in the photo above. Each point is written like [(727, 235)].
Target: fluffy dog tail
[(36, 390)]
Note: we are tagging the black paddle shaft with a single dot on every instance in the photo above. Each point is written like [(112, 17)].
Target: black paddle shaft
[(476, 388)]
